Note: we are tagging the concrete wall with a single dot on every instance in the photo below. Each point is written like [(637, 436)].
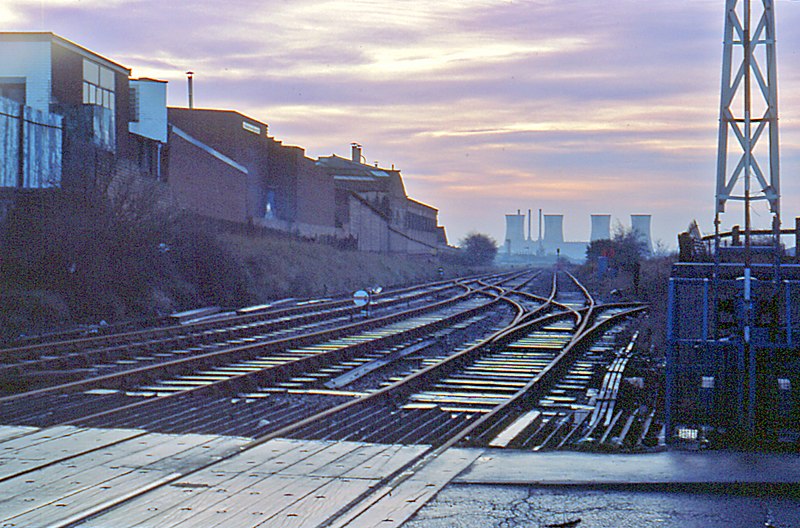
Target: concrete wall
[(368, 226), (315, 192), (223, 131), (285, 190)]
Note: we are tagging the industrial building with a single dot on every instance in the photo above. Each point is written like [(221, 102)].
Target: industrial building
[(372, 207), (224, 165), (72, 119), (63, 106), (550, 241)]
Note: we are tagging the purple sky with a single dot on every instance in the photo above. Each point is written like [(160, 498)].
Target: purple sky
[(487, 106)]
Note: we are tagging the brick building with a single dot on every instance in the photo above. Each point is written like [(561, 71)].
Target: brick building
[(223, 155), (73, 119), (84, 95)]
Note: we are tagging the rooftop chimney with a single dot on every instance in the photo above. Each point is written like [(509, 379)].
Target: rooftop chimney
[(355, 150), (190, 75)]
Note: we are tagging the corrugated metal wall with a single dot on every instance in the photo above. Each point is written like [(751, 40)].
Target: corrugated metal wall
[(39, 150)]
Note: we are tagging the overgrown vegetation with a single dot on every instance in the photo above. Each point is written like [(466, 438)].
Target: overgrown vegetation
[(477, 249), (279, 266), (80, 256), (126, 252), (621, 269)]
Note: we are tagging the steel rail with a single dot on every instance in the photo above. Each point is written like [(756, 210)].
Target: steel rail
[(405, 387), (127, 339), (252, 377), (234, 353), (104, 354), (548, 304), (535, 388), (274, 373), (359, 504), (276, 311)]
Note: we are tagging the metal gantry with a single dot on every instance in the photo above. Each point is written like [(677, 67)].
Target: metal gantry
[(732, 333), (746, 113)]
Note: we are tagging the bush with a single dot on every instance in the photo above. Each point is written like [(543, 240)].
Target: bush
[(115, 257), (478, 250)]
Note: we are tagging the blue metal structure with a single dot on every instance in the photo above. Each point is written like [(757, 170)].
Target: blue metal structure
[(733, 365)]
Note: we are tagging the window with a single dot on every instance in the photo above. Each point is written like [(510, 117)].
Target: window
[(98, 93), (269, 210), (13, 88), (98, 85), (685, 433)]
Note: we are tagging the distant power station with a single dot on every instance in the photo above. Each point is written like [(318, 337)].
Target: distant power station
[(551, 242), (640, 224), (601, 227)]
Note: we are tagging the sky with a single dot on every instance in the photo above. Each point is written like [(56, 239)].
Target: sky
[(487, 107)]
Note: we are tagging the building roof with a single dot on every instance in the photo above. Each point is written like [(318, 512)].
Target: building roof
[(47, 36), (424, 205), (361, 177), (353, 168), (218, 111)]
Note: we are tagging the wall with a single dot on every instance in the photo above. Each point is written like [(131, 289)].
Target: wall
[(286, 190), (152, 109), (30, 60), (205, 184), (223, 131), (312, 188), (368, 226)]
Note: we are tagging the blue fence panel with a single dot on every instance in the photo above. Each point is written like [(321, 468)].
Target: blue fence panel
[(9, 142), (43, 136), (39, 149)]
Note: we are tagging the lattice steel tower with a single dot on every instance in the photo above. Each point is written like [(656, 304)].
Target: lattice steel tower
[(747, 168)]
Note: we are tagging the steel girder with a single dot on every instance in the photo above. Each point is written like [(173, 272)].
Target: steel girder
[(757, 45)]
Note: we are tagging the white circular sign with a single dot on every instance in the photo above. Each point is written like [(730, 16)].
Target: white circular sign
[(361, 298)]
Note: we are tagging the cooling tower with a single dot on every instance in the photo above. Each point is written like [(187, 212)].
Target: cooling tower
[(601, 227), (515, 232), (640, 224), (554, 229)]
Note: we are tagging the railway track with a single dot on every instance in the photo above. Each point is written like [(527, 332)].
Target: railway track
[(27, 367), (227, 365), (526, 360)]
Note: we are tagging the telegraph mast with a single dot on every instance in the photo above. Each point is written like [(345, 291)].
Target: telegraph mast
[(748, 112)]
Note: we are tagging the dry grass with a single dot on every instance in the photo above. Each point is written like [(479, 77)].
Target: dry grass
[(279, 267)]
